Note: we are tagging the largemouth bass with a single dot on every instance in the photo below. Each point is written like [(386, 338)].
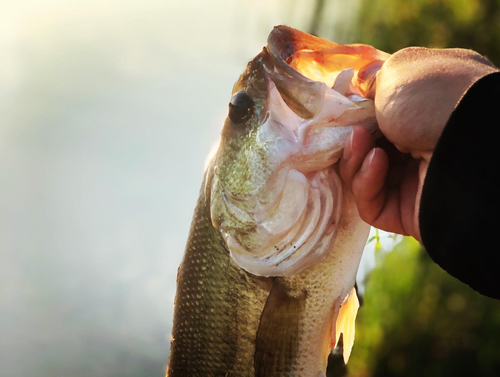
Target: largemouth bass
[(266, 284)]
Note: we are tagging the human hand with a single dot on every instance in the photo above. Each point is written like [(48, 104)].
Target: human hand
[(414, 93)]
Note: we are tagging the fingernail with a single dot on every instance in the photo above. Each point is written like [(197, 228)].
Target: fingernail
[(368, 160), (348, 147)]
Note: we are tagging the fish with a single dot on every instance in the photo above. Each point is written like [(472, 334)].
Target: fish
[(266, 284)]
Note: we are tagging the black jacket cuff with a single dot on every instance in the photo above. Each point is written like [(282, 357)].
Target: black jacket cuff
[(460, 205)]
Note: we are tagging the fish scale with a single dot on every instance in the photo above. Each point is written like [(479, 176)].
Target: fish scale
[(218, 306)]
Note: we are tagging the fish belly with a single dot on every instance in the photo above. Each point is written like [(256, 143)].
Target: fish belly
[(327, 285)]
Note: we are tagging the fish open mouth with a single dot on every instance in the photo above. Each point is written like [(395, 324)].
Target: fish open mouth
[(315, 95), (300, 56), (318, 84)]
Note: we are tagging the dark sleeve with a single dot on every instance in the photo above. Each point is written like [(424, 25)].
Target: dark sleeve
[(460, 206)]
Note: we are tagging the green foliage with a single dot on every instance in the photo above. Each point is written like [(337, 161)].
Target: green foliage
[(394, 24), (419, 321)]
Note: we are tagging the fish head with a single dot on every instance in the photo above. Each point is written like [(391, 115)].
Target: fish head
[(275, 194)]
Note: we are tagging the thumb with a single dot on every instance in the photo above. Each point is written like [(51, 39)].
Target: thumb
[(367, 78)]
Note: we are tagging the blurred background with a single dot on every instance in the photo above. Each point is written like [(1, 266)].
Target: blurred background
[(107, 111)]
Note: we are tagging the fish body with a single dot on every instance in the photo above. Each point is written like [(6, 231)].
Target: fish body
[(266, 284)]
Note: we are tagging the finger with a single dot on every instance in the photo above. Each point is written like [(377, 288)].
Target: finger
[(367, 78), (358, 145), (377, 204), (368, 185), (387, 208)]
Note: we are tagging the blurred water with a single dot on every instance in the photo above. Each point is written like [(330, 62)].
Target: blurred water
[(107, 111)]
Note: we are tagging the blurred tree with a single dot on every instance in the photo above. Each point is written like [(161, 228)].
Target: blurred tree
[(394, 24), (316, 17), (419, 321)]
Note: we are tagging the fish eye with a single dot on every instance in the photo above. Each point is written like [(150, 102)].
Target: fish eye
[(240, 108)]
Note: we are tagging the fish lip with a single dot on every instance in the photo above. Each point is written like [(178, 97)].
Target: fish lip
[(280, 49), (302, 95), (280, 39)]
